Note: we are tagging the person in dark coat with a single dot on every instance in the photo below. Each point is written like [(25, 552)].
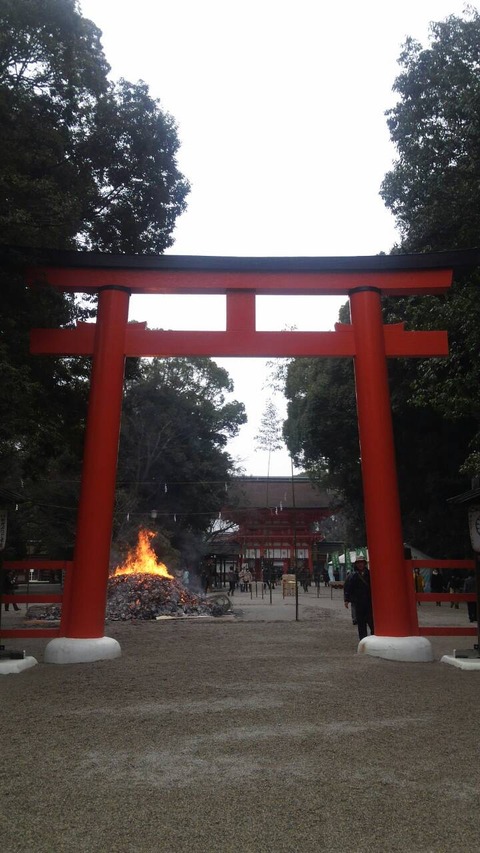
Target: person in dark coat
[(470, 585), (436, 584), (358, 593), (8, 588)]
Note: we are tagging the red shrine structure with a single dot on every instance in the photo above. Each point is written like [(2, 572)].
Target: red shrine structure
[(367, 340), (277, 527)]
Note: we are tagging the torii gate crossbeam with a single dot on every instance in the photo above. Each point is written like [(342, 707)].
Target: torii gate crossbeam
[(367, 340)]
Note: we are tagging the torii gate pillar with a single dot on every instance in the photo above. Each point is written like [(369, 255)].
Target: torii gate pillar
[(85, 640), (391, 599)]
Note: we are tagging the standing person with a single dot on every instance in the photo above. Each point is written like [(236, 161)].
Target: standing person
[(470, 585), (418, 582), (8, 587), (454, 586), (436, 584), (247, 579), (231, 582), (207, 579), (186, 577), (358, 593), (345, 596), (304, 578), (241, 578)]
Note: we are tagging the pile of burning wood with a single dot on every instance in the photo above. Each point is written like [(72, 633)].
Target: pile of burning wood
[(147, 596), (143, 588)]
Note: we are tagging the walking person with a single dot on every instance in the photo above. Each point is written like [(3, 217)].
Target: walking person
[(358, 592)]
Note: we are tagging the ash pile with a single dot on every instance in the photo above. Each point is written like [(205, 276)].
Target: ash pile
[(145, 596)]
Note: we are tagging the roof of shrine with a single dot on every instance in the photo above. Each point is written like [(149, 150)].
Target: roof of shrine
[(285, 492)]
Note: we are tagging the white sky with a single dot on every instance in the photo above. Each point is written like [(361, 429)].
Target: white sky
[(280, 111)]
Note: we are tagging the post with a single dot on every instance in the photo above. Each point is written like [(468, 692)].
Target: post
[(477, 590), (86, 618), (391, 605)]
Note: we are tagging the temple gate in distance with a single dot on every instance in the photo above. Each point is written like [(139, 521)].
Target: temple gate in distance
[(367, 340)]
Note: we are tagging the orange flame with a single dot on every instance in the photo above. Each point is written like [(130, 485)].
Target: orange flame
[(142, 560)]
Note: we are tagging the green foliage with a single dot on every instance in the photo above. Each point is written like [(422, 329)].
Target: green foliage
[(172, 457), (321, 431), (136, 190), (102, 172), (433, 191), (433, 188), (52, 72), (83, 163), (269, 437)]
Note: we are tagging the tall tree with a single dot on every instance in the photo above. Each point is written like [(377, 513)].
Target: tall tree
[(269, 437), (433, 192), (83, 163), (102, 172), (433, 187)]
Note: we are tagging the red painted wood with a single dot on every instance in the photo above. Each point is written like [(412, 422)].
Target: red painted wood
[(38, 563), (30, 633), (240, 338), (445, 596), (109, 341), (240, 311), (35, 598), (390, 592), (442, 631), (86, 613), (297, 282), (433, 563)]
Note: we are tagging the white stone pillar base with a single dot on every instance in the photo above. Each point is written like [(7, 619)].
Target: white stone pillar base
[(461, 663), (397, 648), (13, 667), (72, 650)]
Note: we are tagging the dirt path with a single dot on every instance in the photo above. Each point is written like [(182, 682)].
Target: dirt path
[(243, 734)]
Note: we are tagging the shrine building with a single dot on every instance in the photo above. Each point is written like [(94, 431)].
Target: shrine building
[(276, 523)]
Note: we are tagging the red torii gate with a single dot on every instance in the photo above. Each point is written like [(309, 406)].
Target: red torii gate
[(367, 340)]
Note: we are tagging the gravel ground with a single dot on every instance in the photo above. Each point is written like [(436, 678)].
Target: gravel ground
[(247, 734)]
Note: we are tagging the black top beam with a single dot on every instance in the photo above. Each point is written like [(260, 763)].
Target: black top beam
[(456, 260)]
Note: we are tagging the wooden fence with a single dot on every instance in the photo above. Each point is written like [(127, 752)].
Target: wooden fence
[(62, 598)]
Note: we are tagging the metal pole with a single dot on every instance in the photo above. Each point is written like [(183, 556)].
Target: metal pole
[(294, 543)]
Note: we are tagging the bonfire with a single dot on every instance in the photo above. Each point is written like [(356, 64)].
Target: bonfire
[(143, 588)]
